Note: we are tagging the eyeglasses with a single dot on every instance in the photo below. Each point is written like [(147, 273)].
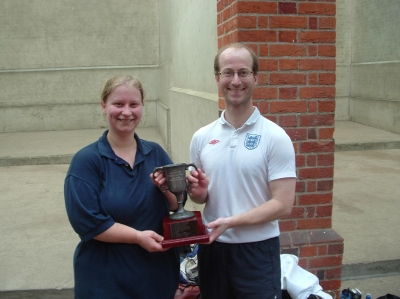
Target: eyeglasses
[(230, 73)]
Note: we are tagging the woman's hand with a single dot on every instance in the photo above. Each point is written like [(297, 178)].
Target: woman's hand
[(159, 180), (150, 241)]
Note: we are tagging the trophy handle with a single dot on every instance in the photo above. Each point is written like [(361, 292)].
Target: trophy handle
[(191, 164)]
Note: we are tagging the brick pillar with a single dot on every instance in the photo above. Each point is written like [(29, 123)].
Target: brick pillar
[(295, 41)]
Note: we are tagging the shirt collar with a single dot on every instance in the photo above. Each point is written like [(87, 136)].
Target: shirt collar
[(106, 150), (251, 120)]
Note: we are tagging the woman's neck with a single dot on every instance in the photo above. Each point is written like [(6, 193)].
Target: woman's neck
[(121, 142)]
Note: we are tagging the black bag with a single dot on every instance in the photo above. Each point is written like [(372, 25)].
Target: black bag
[(389, 296)]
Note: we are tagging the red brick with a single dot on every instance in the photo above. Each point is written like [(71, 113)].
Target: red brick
[(300, 161), (312, 50), (287, 225), (300, 186), (288, 22), (335, 248), (265, 93), (326, 106), (287, 36), (311, 186), (322, 250), (327, 79), (262, 22), (287, 50), (220, 6), (326, 185), (317, 9), (263, 107), (327, 50), (312, 106), (318, 64), (288, 64), (317, 37), (317, 146), (245, 21), (314, 223), (325, 261), (288, 93), (288, 78), (262, 79), (288, 120), (327, 23), (311, 160), (221, 104), (311, 199), (226, 14), (317, 92), (313, 23), (266, 64), (263, 50), (312, 78), (306, 251), (310, 211), (316, 173), (258, 7), (333, 273), (297, 134), (297, 212), (287, 8), (324, 211), (326, 133), (317, 120), (257, 35)]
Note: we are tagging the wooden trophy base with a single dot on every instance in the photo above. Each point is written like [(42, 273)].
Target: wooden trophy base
[(184, 232)]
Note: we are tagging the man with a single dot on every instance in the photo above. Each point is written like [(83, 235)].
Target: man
[(246, 179)]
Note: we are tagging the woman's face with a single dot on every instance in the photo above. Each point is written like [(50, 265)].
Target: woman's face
[(123, 109)]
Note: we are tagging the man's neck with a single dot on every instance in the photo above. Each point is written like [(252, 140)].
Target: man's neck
[(237, 116)]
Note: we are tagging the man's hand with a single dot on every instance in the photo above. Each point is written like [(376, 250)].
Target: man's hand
[(197, 186), (218, 227)]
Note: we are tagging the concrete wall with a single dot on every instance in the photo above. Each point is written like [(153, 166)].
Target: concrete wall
[(343, 58), (375, 70), (188, 44), (56, 55), (369, 63)]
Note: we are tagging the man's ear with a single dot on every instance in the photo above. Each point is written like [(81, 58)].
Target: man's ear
[(255, 79), (217, 79)]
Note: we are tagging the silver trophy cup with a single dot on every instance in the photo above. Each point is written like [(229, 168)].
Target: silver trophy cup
[(175, 175)]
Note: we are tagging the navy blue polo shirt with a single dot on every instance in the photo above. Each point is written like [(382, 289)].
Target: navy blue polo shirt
[(101, 189)]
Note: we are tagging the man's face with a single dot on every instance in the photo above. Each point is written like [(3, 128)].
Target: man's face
[(237, 89)]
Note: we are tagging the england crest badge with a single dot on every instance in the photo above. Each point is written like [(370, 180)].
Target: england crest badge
[(252, 141)]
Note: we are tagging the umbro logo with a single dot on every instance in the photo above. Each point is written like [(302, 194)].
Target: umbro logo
[(214, 141)]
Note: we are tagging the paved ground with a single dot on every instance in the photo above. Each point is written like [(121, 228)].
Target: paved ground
[(38, 243)]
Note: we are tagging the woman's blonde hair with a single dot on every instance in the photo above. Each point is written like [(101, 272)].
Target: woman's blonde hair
[(119, 80)]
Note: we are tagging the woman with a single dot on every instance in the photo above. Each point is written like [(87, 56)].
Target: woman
[(116, 206)]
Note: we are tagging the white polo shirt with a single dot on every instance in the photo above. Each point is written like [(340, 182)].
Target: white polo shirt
[(240, 164)]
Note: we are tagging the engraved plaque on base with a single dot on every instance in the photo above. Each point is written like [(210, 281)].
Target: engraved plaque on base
[(184, 232)]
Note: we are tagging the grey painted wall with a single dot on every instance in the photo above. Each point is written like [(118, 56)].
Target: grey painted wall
[(368, 63), (188, 44), (56, 55)]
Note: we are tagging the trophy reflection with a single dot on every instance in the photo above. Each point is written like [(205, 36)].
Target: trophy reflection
[(181, 227)]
